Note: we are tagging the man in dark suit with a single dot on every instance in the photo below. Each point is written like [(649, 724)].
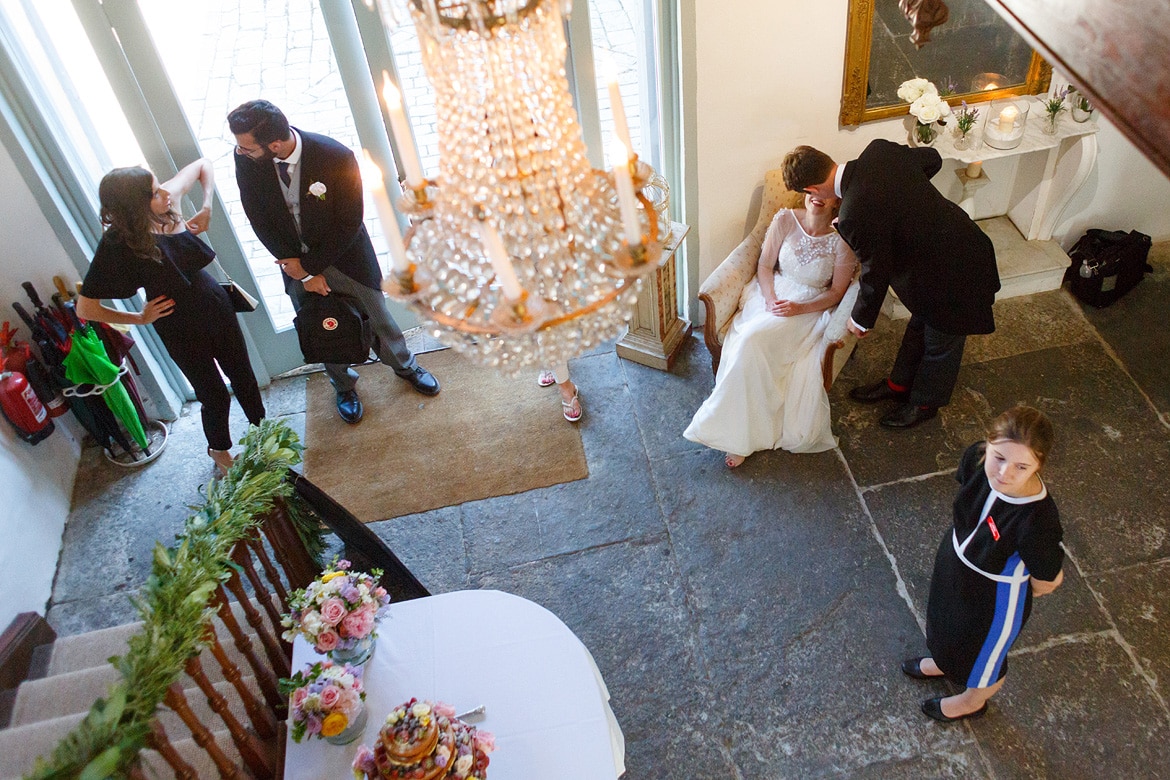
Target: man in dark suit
[(908, 237), (302, 193)]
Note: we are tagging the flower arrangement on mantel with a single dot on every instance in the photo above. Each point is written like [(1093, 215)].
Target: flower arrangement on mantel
[(173, 605), (338, 609), (927, 107)]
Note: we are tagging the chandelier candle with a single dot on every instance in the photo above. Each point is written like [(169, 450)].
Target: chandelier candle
[(621, 128), (372, 177), (501, 263), (410, 162), (624, 183)]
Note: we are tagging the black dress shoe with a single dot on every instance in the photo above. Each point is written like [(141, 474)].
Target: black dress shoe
[(422, 380), (933, 708), (912, 667), (908, 415), (349, 406), (878, 391)]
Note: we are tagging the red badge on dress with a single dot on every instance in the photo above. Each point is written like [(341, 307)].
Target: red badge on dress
[(994, 530)]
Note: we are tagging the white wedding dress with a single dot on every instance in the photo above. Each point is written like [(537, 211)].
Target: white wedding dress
[(768, 391)]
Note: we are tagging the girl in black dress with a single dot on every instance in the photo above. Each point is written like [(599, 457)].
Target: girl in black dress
[(147, 244), (1003, 549)]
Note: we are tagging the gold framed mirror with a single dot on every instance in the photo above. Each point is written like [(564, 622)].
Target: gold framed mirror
[(976, 56)]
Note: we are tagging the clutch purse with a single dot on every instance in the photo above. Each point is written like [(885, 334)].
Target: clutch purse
[(241, 301)]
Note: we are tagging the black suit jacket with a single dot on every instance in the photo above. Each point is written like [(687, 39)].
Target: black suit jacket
[(332, 227), (909, 237)]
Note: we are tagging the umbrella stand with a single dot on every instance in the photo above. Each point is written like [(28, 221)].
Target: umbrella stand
[(132, 455)]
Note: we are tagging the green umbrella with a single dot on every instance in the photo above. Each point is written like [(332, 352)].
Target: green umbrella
[(88, 363)]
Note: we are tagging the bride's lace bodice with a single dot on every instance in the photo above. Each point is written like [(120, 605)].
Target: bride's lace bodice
[(802, 258)]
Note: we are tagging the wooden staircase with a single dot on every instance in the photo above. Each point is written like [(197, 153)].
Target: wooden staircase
[(69, 675)]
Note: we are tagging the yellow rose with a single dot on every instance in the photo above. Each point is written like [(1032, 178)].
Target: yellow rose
[(333, 724), (332, 576)]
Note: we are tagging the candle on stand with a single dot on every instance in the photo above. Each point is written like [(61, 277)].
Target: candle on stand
[(621, 128), (501, 263), (974, 170), (624, 184), (410, 162), (372, 178), (1007, 118)]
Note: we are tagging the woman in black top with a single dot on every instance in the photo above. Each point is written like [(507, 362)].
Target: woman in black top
[(147, 244), (1002, 549)]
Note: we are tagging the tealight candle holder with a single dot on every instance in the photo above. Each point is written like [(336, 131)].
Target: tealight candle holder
[(1004, 128)]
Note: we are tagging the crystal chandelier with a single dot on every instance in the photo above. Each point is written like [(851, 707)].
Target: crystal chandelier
[(519, 253)]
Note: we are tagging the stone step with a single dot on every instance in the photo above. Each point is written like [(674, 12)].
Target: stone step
[(1025, 267)]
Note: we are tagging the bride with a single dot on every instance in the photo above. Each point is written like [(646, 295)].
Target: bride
[(768, 392)]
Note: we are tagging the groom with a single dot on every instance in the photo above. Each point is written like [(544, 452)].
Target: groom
[(302, 193), (909, 237)]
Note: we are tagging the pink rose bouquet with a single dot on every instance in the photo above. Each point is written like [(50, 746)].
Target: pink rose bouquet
[(338, 609), (324, 699)]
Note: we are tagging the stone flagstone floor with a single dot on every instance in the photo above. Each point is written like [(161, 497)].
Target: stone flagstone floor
[(749, 623)]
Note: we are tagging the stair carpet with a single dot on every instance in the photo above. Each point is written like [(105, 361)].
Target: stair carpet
[(77, 673), (1025, 267)]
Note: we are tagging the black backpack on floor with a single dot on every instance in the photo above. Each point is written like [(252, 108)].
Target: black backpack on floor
[(1106, 264)]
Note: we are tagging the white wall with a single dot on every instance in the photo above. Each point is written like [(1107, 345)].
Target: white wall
[(769, 78), (37, 480)]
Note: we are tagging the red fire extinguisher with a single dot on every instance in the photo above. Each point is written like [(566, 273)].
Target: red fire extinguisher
[(23, 409)]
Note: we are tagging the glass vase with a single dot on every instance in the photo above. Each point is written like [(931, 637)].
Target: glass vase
[(962, 140), (356, 655), (1049, 123), (924, 134), (355, 729)]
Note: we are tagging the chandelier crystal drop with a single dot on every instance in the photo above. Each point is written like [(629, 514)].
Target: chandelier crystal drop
[(517, 253)]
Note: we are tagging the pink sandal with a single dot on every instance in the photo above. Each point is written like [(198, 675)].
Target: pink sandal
[(546, 379)]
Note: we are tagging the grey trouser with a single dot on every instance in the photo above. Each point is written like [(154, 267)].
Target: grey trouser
[(389, 343)]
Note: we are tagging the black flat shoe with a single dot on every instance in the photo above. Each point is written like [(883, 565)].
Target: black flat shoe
[(912, 667), (422, 380), (908, 415), (878, 391), (933, 708), (349, 406)]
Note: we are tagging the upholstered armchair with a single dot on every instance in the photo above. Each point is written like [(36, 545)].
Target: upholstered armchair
[(721, 290)]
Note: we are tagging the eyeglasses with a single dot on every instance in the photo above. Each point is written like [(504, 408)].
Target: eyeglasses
[(248, 152)]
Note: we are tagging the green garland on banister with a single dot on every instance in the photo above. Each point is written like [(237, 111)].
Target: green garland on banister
[(173, 605)]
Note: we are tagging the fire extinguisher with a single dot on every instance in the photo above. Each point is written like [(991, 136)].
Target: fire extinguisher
[(23, 409)]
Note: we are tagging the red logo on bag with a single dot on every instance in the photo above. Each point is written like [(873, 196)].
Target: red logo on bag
[(329, 323)]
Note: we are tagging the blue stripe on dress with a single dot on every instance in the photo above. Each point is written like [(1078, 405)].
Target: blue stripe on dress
[(1010, 599)]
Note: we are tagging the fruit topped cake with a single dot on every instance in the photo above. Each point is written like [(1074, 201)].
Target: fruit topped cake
[(425, 741)]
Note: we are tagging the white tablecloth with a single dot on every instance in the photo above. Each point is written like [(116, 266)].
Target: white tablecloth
[(545, 700)]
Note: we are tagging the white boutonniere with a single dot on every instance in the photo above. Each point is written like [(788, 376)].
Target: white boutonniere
[(318, 189)]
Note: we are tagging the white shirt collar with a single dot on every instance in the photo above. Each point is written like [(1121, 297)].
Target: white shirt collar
[(294, 156), (837, 180)]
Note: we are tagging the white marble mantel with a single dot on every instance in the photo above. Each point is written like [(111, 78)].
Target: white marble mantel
[(1070, 156)]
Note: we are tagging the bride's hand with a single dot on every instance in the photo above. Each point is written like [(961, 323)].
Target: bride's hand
[(788, 308)]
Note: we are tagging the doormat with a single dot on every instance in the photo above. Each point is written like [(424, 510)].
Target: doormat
[(483, 435)]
